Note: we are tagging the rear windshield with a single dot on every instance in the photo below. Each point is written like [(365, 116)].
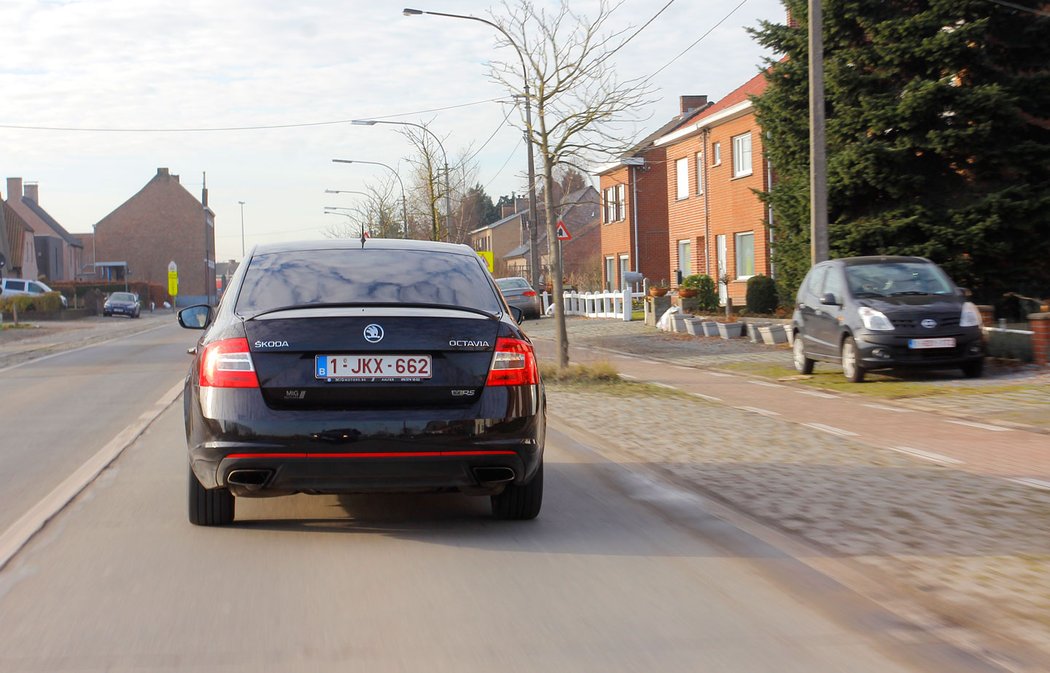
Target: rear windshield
[(365, 276), (897, 278), (513, 284)]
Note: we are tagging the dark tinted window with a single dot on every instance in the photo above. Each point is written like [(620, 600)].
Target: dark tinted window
[(833, 283), (897, 278), (365, 276), (122, 296), (15, 285)]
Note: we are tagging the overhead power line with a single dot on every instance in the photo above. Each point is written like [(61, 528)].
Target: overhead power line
[(698, 40), (1021, 8), (265, 127)]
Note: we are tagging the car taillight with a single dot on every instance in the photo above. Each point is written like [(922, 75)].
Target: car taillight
[(513, 364), (529, 293), (228, 364)]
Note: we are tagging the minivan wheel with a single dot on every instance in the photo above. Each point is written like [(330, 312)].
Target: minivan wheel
[(803, 365), (520, 502), (209, 507), (851, 369), (973, 369)]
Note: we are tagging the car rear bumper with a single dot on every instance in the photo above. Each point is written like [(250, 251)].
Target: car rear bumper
[(877, 351), (356, 451)]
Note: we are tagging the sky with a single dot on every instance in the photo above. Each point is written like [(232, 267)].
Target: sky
[(127, 76)]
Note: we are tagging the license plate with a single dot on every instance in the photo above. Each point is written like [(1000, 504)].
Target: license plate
[(946, 342), (370, 367)]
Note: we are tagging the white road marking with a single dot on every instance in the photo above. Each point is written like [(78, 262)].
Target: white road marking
[(756, 410), (663, 385), (32, 521), (684, 368), (883, 407), (926, 455), (709, 398), (830, 430), (814, 393), (628, 377), (1033, 483), (766, 384), (722, 375), (981, 426)]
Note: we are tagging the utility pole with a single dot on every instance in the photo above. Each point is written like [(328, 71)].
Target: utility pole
[(818, 168)]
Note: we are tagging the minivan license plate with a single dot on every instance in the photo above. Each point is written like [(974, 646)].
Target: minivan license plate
[(372, 366), (946, 342)]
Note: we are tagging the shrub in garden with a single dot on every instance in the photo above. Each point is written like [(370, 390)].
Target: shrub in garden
[(761, 294), (707, 295)]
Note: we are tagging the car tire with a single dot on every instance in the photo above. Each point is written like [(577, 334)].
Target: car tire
[(520, 502), (209, 507), (851, 368), (973, 369), (803, 365)]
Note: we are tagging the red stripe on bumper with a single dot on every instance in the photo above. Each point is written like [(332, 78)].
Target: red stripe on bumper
[(385, 454)]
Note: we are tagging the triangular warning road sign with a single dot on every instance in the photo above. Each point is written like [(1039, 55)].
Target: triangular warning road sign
[(563, 233)]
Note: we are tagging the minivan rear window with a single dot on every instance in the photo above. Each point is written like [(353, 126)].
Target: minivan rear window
[(365, 276)]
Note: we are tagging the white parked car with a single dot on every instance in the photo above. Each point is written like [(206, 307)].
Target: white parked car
[(13, 286)]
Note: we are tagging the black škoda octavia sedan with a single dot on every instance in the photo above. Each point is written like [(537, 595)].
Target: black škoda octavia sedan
[(360, 367)]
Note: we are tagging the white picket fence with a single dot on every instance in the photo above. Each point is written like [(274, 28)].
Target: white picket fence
[(596, 304)]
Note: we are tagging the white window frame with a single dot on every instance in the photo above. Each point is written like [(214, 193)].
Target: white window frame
[(736, 253), (742, 158), (685, 257), (716, 154), (681, 168), (699, 173), (610, 265), (624, 262), (621, 201)]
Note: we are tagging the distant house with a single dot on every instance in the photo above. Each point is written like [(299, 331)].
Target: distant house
[(581, 255), (160, 224), (20, 248), (59, 254), (503, 236)]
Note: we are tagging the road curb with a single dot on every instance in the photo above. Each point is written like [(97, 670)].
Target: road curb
[(29, 524)]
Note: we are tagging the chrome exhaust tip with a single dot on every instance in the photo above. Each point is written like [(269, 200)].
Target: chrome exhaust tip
[(249, 480), (488, 476)]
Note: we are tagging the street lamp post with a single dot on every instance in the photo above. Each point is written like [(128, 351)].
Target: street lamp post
[(242, 229), (404, 203), (444, 155), (331, 210), (533, 220)]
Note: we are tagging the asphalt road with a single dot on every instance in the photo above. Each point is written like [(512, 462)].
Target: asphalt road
[(619, 573), (58, 411)]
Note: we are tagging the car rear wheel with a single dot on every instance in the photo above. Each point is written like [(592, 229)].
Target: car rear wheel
[(973, 369), (851, 368), (209, 507), (803, 365), (520, 502)]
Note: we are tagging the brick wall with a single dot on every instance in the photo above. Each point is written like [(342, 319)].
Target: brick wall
[(163, 222)]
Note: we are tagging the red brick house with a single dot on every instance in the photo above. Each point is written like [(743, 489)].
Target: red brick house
[(716, 223), (162, 223), (634, 234), (17, 244)]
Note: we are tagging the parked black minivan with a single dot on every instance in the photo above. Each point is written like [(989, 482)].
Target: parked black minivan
[(885, 312)]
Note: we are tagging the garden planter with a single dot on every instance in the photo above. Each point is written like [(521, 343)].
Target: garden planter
[(773, 334), (678, 323), (657, 291), (694, 326), (752, 332), (687, 292), (710, 328), (730, 330)]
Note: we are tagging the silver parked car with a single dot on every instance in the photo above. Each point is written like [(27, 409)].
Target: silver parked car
[(518, 293)]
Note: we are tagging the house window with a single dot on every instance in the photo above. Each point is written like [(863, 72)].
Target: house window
[(699, 172), (742, 155), (614, 209), (625, 266), (610, 273), (745, 255), (685, 258), (681, 167), (716, 154), (621, 201)]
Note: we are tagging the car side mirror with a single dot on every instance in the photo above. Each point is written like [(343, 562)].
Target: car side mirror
[(829, 299), (518, 314), (964, 292), (195, 317)]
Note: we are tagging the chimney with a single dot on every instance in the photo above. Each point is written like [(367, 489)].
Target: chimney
[(32, 192), (508, 209), (791, 22), (14, 189), (162, 172), (692, 103)]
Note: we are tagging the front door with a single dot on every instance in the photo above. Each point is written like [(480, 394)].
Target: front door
[(723, 289)]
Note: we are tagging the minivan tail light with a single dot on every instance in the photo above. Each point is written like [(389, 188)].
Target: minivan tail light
[(228, 364), (513, 364)]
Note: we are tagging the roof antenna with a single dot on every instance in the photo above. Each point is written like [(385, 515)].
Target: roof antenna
[(364, 238)]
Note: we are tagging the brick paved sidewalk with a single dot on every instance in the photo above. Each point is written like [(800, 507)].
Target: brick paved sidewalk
[(1008, 393)]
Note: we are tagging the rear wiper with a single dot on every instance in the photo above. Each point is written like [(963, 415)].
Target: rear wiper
[(370, 304)]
